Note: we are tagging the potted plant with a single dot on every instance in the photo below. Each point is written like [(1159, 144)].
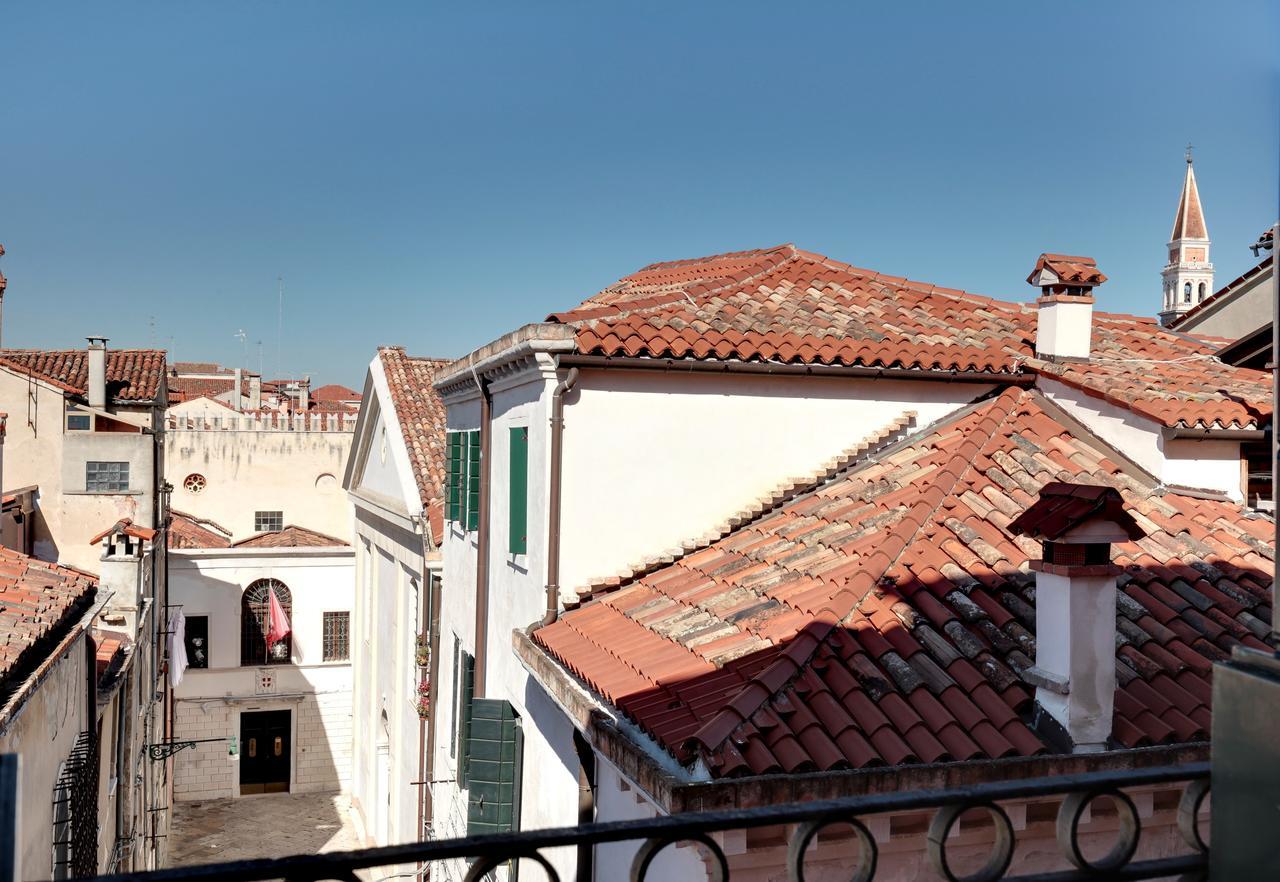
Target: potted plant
[(423, 652), (424, 699)]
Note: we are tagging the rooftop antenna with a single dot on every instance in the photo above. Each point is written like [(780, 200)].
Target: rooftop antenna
[(259, 358), (280, 328)]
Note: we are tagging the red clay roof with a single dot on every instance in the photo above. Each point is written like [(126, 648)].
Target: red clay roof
[(289, 537), (885, 618), (189, 531), (127, 527), (38, 603), (787, 305), (133, 375), (334, 392), (422, 422), (1061, 507)]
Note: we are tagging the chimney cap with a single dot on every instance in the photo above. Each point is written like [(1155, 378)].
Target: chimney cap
[(1065, 269), (98, 340), (1064, 508)]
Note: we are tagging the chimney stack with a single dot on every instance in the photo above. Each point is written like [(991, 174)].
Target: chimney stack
[(304, 394), (236, 401), (1075, 669), (255, 392), (4, 421), (1064, 328), (97, 390)]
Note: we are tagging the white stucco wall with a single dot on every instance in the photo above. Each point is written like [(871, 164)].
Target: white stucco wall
[(652, 458), (38, 451), (211, 582), (298, 473), (1208, 465)]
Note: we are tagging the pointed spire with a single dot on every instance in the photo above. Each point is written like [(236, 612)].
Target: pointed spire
[(1189, 224)]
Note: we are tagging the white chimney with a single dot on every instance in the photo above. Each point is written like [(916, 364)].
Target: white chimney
[(4, 421), (1075, 669), (97, 390), (1064, 327), (255, 392), (304, 394), (236, 401)]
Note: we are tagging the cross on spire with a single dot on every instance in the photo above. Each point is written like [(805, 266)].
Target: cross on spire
[(1188, 153)]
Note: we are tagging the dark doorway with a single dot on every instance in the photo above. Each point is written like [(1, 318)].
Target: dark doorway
[(264, 752)]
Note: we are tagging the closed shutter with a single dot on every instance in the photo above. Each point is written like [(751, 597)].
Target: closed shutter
[(466, 690), (518, 526), (473, 480), (455, 477), (494, 750)]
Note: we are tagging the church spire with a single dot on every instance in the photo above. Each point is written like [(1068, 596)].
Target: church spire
[(1189, 223), (1188, 276)]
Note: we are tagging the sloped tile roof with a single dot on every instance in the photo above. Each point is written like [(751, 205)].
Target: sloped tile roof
[(335, 392), (1226, 290), (289, 537), (885, 618), (133, 375), (189, 531), (1061, 507), (38, 603), (791, 306), (128, 528), (422, 422)]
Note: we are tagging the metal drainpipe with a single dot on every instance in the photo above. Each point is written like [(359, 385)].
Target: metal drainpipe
[(427, 733), (586, 803), (482, 542), (553, 493), (1275, 403)]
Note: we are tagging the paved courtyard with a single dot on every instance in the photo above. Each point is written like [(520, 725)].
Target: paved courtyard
[(260, 827)]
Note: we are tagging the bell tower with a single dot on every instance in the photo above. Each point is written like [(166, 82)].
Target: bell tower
[(1188, 276)]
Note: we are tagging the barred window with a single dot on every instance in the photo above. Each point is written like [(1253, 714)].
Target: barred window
[(106, 477), (337, 636), (254, 614), (268, 521)]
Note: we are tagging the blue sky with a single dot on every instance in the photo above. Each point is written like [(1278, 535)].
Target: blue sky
[(435, 174)]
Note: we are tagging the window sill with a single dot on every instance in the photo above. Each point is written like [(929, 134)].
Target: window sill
[(102, 493)]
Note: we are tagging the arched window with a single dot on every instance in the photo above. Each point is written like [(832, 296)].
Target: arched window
[(1201, 291), (1186, 293), (255, 608)]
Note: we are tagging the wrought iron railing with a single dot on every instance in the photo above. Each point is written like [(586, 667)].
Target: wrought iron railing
[(807, 820)]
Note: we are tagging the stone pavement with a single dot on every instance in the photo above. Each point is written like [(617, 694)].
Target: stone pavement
[(271, 826)]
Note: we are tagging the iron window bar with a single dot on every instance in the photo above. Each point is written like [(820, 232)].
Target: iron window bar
[(490, 851)]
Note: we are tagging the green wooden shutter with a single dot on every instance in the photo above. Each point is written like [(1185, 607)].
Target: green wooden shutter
[(518, 526), (473, 480), (467, 682), (454, 481), (495, 749)]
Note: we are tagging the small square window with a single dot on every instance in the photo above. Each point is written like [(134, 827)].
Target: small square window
[(268, 521), (78, 420), (106, 477), (337, 636), (196, 637)]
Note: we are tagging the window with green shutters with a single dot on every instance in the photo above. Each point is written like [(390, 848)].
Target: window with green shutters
[(494, 751), (473, 480), (518, 526), (466, 691), (454, 478)]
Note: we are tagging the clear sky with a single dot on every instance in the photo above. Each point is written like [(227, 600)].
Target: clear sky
[(435, 174)]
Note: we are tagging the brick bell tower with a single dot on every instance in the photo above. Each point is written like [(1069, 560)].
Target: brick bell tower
[(1188, 276)]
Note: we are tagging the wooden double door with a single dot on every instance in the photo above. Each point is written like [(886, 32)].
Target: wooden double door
[(265, 744)]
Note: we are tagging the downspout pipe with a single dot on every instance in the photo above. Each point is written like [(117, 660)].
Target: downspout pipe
[(553, 494), (482, 538), (586, 804)]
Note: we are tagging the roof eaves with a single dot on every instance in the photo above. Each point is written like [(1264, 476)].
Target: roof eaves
[(536, 337)]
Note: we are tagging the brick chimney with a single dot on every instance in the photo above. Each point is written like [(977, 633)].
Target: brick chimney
[(1075, 669), (97, 391), (1064, 327)]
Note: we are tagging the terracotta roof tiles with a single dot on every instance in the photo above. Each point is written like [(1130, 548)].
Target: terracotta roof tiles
[(851, 627), (133, 375), (289, 536), (422, 422), (38, 603), (189, 531)]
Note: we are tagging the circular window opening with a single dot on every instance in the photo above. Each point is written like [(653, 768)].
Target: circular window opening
[(193, 483), (326, 482)]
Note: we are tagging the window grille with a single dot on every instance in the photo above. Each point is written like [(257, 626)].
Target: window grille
[(268, 521), (337, 636), (75, 812), (254, 611), (106, 477)]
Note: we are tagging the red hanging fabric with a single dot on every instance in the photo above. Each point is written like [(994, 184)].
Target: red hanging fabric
[(277, 622)]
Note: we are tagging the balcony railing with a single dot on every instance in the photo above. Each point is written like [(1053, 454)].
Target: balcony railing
[(805, 821)]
